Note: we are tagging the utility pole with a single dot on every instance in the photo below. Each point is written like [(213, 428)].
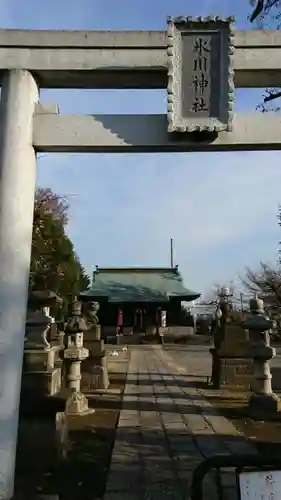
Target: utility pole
[(172, 252)]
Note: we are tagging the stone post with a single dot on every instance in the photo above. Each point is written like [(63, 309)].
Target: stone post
[(74, 354), (215, 376), (263, 402), (222, 319), (17, 174), (96, 363)]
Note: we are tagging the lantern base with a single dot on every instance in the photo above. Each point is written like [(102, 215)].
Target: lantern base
[(264, 406), (77, 404)]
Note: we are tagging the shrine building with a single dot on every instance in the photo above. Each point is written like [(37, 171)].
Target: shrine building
[(140, 292)]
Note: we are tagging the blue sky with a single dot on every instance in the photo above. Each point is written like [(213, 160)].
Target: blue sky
[(220, 208)]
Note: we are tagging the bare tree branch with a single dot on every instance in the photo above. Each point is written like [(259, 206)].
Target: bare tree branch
[(267, 14), (266, 282), (272, 95), (265, 10), (258, 10)]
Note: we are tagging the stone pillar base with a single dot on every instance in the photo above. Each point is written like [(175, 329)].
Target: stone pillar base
[(232, 364), (94, 368), (101, 374), (42, 383), (236, 373), (40, 359), (263, 406), (63, 444)]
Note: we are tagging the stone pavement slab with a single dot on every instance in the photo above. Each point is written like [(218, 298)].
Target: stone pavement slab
[(166, 428)]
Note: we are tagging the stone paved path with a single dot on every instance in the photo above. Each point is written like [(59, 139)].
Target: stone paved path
[(166, 428)]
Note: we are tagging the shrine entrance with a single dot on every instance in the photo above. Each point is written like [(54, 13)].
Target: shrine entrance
[(199, 61)]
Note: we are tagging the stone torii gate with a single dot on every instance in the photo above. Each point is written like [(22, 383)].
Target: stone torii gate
[(192, 59)]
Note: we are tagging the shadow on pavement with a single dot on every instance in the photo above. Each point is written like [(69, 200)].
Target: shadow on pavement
[(198, 381), (157, 407), (147, 463)]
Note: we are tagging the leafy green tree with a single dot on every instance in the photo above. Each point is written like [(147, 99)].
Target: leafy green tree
[(54, 263)]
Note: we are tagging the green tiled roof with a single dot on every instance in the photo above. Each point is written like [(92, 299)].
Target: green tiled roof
[(139, 285)]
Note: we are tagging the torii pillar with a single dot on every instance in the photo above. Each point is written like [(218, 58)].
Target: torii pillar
[(17, 187)]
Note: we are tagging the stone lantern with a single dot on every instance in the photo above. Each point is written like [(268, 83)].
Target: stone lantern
[(41, 362), (44, 300), (263, 401), (74, 354)]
